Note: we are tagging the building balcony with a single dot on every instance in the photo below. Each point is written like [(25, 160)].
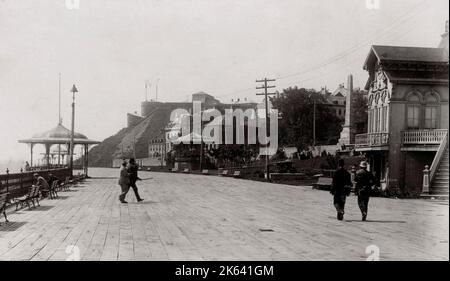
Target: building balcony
[(412, 140), (422, 140), (372, 141), (424, 136)]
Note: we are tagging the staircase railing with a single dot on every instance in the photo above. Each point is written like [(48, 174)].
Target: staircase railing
[(438, 157)]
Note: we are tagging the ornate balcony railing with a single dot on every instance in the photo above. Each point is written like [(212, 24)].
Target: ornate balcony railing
[(371, 139), (424, 136)]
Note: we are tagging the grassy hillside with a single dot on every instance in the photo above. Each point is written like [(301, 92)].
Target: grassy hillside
[(102, 154), (122, 143)]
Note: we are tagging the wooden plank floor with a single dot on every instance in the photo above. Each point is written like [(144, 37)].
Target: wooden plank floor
[(193, 217)]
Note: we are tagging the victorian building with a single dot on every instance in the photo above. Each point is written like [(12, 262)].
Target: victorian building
[(406, 141)]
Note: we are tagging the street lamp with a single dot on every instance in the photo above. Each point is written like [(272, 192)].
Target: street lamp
[(72, 133)]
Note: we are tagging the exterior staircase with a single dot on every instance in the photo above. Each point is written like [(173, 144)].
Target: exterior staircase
[(439, 186)]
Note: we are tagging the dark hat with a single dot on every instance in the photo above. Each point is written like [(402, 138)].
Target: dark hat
[(131, 160)]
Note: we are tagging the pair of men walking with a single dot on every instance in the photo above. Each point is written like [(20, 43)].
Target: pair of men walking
[(342, 184), (128, 178)]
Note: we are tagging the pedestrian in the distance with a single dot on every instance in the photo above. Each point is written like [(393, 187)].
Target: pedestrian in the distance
[(27, 166), (133, 168), (341, 188), (363, 187), (124, 182)]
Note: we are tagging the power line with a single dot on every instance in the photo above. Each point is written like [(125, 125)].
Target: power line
[(354, 60), (361, 44), (378, 34)]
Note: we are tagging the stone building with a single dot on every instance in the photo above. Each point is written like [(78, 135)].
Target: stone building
[(337, 100)]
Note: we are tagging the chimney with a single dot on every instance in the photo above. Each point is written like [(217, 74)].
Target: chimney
[(444, 40)]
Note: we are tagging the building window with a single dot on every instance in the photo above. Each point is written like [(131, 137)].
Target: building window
[(385, 119), (413, 116), (431, 117), (378, 119)]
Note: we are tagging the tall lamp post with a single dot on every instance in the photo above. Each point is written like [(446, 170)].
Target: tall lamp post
[(72, 133)]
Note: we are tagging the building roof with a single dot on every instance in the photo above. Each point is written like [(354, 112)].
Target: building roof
[(340, 91), (193, 138), (417, 76), (407, 54)]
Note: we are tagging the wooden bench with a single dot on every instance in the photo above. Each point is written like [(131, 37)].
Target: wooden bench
[(52, 192), (80, 177), (64, 186), (237, 174), (3, 202), (205, 172), (31, 196), (174, 170), (323, 183), (224, 173)]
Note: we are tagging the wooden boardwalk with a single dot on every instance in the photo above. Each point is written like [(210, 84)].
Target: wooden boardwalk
[(192, 217)]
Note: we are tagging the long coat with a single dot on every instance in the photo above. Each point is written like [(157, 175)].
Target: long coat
[(342, 183), (124, 178), (364, 181)]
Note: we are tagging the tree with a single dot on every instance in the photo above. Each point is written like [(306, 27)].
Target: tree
[(297, 110), (360, 111)]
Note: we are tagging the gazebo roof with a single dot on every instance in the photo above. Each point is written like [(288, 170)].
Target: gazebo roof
[(58, 135)]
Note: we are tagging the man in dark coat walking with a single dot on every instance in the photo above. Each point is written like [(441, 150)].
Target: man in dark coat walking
[(340, 188), (132, 169), (124, 182), (363, 187)]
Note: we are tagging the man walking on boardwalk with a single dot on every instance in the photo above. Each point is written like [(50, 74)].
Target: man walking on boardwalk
[(124, 182), (364, 181), (341, 188), (133, 171)]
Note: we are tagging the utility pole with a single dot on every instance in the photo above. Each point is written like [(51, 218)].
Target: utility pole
[(146, 87), (59, 117), (134, 147), (266, 94), (201, 143), (314, 119), (157, 81), (73, 90), (314, 123)]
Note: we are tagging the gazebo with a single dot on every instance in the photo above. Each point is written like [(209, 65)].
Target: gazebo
[(59, 135)]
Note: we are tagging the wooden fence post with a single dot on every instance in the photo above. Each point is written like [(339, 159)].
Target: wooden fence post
[(426, 180)]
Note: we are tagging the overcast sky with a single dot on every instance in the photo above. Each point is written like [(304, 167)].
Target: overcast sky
[(109, 48)]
